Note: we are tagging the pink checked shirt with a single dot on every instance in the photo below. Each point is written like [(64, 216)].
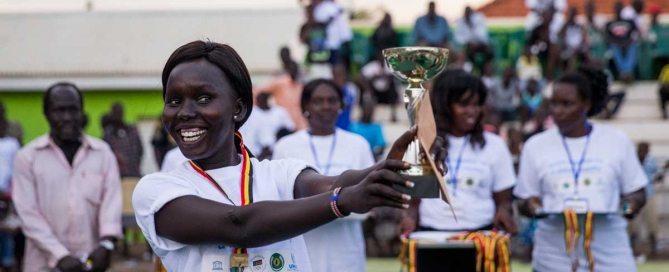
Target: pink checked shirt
[(65, 209)]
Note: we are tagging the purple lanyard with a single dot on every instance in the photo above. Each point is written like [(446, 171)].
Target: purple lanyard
[(454, 170), (576, 168), (326, 169)]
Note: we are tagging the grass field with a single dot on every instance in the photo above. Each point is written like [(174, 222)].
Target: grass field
[(393, 265)]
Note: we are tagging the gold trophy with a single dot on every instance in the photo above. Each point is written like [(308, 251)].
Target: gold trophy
[(415, 65)]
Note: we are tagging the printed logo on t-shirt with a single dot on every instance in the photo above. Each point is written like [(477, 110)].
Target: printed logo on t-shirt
[(276, 262), (217, 266), (258, 263)]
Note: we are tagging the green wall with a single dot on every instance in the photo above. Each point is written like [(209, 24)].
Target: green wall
[(26, 108)]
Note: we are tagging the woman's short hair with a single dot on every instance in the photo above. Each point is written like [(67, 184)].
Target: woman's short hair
[(222, 56), (311, 86), (591, 84)]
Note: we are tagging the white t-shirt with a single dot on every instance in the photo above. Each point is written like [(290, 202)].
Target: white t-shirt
[(339, 245), (262, 126), (8, 148), (612, 168), (272, 180), (172, 160), (482, 172)]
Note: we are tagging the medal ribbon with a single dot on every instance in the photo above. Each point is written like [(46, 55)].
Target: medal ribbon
[(492, 250), (246, 196), (571, 234)]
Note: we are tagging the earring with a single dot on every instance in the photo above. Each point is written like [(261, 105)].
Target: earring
[(339, 111), (306, 114), (235, 116)]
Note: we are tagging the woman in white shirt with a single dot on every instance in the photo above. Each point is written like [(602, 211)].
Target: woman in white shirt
[(480, 174), (332, 151), (587, 171), (223, 209)]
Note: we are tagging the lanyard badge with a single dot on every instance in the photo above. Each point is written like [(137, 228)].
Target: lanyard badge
[(455, 170)]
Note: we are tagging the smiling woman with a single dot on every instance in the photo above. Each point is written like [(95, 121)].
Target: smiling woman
[(221, 209)]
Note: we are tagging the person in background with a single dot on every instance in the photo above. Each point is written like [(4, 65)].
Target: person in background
[(264, 125), (379, 82), (504, 96), (663, 90), (538, 10), (384, 36), (648, 217), (332, 151), (531, 100), (633, 12), (12, 129), (528, 66), (368, 129), (622, 36), (286, 88), (161, 143), (471, 31), (432, 29), (479, 163), (584, 166), (80, 229), (9, 146), (313, 34), (594, 27), (350, 91), (573, 46), (338, 31), (125, 142)]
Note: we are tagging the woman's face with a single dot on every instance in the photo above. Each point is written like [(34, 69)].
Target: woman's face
[(569, 110), (466, 112), (200, 109), (323, 107)]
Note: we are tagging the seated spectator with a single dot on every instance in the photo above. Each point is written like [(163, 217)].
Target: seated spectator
[(531, 99), (380, 82), (471, 32), (265, 123), (622, 37), (368, 129), (504, 94), (350, 92), (528, 65), (594, 32), (663, 91), (572, 42), (384, 35), (432, 29)]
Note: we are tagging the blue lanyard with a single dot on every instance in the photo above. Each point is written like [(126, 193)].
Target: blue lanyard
[(326, 169), (454, 170), (576, 169)]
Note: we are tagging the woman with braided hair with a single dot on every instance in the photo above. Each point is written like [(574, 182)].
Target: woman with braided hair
[(582, 179), (225, 210)]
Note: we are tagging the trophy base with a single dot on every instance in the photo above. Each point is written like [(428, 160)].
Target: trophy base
[(426, 184)]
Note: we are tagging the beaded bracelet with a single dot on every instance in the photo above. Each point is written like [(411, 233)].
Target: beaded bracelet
[(333, 203)]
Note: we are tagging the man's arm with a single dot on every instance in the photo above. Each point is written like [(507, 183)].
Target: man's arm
[(34, 225), (109, 220)]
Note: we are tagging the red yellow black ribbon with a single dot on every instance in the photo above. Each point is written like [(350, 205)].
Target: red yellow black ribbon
[(571, 235), (246, 190)]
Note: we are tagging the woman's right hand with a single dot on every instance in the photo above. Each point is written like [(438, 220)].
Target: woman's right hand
[(534, 207), (376, 190)]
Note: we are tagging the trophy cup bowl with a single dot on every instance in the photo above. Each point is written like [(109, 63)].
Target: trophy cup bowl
[(415, 65)]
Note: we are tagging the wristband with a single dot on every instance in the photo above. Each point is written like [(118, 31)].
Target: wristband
[(108, 245), (333, 203)]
